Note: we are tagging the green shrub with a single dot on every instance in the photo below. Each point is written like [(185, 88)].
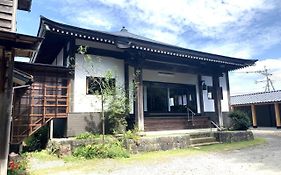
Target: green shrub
[(240, 120), (131, 134), (116, 113), (107, 150), (37, 141), (87, 135)]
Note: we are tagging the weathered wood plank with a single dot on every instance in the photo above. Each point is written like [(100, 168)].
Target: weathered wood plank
[(5, 29), (6, 3), (5, 16), (6, 9), (5, 23)]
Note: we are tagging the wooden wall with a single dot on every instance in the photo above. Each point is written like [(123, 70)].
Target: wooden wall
[(8, 15)]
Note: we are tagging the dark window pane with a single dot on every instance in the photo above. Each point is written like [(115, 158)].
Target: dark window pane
[(157, 99)]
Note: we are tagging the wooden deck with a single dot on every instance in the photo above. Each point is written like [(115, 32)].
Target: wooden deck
[(175, 123)]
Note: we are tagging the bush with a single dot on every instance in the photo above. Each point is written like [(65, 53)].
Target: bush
[(131, 134), (37, 141), (115, 115), (87, 135), (240, 120), (107, 150)]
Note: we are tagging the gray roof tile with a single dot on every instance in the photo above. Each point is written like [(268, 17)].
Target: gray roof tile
[(261, 97)]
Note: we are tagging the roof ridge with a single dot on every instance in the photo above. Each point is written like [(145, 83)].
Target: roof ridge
[(255, 93)]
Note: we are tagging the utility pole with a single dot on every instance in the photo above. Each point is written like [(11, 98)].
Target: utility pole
[(264, 72)]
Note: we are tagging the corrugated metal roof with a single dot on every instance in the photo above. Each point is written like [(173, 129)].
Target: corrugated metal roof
[(261, 97)]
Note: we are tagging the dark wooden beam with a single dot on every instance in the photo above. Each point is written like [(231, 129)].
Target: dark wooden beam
[(217, 98), (126, 80), (139, 113), (102, 52), (6, 90)]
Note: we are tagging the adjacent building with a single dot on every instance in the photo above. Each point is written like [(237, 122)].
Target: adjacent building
[(263, 107)]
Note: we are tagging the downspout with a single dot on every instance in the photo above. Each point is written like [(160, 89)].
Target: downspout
[(11, 109)]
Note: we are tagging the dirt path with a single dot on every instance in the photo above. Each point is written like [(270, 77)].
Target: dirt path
[(258, 160)]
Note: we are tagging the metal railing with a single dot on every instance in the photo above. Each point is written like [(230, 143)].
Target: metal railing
[(219, 129), (190, 118), (213, 123)]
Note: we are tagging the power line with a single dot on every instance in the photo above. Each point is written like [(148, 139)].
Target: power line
[(268, 81)]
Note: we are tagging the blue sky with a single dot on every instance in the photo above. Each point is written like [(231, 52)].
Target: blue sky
[(246, 29)]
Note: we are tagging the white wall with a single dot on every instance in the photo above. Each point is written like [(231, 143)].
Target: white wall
[(181, 78), (59, 59), (224, 102), (98, 66), (209, 103)]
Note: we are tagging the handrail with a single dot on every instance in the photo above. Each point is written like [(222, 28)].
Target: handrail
[(218, 128), (212, 122), (192, 114)]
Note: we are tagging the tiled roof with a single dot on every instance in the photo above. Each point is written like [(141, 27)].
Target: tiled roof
[(136, 42), (262, 97)]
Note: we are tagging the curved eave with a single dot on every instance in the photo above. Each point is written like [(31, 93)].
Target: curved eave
[(140, 45)]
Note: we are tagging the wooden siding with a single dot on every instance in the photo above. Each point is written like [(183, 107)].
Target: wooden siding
[(34, 107), (7, 15)]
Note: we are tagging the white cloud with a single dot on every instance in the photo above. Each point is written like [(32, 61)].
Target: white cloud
[(243, 82), (228, 27)]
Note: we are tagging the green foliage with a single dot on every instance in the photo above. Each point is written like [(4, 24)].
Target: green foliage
[(87, 135), (107, 150), (115, 115), (131, 134), (37, 141), (240, 120)]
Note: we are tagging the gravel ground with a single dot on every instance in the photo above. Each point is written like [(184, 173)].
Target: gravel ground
[(258, 160)]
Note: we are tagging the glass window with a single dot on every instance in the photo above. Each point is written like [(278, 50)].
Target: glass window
[(157, 99), (168, 97)]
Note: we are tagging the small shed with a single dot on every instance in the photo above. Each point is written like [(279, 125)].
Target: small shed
[(263, 107)]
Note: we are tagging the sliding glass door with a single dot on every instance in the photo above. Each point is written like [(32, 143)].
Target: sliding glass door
[(169, 98)]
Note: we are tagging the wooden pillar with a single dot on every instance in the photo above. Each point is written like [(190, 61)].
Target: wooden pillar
[(6, 88), (217, 98), (139, 115), (126, 80), (254, 116), (277, 115)]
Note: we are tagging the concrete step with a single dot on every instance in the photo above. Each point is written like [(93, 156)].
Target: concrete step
[(200, 135), (204, 144), (202, 140)]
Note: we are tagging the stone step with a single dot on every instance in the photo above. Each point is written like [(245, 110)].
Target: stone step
[(202, 140), (204, 144), (200, 135)]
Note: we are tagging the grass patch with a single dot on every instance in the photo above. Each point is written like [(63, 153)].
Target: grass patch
[(73, 164), (42, 156)]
